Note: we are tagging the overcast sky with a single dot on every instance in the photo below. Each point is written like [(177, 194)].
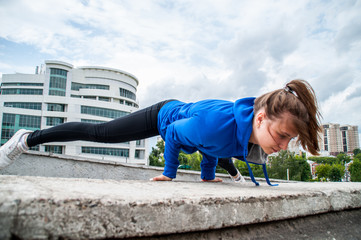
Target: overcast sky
[(192, 50)]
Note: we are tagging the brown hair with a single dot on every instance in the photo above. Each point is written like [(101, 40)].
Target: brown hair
[(299, 99)]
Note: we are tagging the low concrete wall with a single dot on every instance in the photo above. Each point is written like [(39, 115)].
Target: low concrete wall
[(56, 165), (52, 208), (60, 201)]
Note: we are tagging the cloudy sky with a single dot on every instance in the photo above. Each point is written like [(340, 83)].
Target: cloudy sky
[(192, 50)]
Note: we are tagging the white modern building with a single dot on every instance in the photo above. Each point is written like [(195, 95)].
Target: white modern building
[(58, 93)]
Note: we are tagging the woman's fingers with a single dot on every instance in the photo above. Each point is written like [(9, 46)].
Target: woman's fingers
[(160, 178), (214, 180)]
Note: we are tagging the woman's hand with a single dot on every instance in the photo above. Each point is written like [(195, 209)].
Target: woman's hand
[(214, 180), (161, 178)]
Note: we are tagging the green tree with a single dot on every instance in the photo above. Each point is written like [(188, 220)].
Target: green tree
[(358, 156), (356, 151), (323, 171), (344, 158), (335, 174), (242, 167), (325, 160), (194, 160), (299, 169), (355, 171), (156, 155)]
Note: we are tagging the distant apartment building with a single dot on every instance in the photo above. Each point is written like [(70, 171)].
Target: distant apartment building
[(59, 93), (338, 138)]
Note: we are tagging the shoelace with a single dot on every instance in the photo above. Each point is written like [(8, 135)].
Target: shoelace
[(15, 153), (237, 179)]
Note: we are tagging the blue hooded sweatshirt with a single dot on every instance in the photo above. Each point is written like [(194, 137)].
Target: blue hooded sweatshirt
[(216, 128)]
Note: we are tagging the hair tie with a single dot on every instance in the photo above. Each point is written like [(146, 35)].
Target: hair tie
[(288, 89)]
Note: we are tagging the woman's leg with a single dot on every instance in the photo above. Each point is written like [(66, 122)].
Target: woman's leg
[(227, 164), (138, 125)]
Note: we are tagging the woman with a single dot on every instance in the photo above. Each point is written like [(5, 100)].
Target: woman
[(249, 128)]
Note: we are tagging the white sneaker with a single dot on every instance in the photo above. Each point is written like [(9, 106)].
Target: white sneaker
[(13, 148), (239, 179)]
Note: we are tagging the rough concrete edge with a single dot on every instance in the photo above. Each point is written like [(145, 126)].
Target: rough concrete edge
[(122, 219), (115, 163)]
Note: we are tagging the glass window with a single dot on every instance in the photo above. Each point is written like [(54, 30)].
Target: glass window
[(8, 120), (54, 121), (102, 112), (90, 97), (57, 83), (21, 91), (28, 121), (106, 151), (22, 84), (105, 99), (140, 143), (54, 149), (126, 93), (139, 154), (76, 86), (92, 121), (6, 134), (25, 105), (55, 107), (57, 71)]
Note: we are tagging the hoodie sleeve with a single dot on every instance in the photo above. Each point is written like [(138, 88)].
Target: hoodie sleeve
[(181, 134), (208, 167)]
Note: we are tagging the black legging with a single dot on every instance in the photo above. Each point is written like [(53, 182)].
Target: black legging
[(227, 164), (135, 126)]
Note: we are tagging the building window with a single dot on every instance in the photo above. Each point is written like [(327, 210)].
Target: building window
[(21, 91), (54, 107), (27, 121), (102, 112), (54, 121), (6, 134), (345, 149), (140, 143), (76, 86), (105, 99), (106, 151), (57, 71), (13, 122), (22, 84), (8, 120), (139, 154), (90, 97), (54, 149), (126, 93), (25, 105), (92, 121), (57, 84)]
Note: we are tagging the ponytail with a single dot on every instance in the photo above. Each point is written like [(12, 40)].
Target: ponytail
[(299, 99)]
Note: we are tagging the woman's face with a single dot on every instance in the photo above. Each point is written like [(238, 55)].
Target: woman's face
[(273, 135)]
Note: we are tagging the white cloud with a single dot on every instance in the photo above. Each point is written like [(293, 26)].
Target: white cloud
[(193, 50)]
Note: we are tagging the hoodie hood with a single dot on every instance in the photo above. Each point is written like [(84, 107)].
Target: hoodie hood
[(243, 114)]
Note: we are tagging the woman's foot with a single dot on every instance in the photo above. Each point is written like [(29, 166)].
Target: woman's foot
[(238, 178), (161, 178), (13, 148)]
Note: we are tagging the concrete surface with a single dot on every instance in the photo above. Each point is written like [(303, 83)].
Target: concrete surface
[(56, 165), (343, 225), (68, 208)]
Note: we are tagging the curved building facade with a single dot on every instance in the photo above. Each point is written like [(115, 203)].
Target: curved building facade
[(60, 93)]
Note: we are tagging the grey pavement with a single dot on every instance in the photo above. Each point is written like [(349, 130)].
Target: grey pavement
[(78, 208)]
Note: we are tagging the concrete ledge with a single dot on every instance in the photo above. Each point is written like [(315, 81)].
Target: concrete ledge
[(57, 165), (52, 208)]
